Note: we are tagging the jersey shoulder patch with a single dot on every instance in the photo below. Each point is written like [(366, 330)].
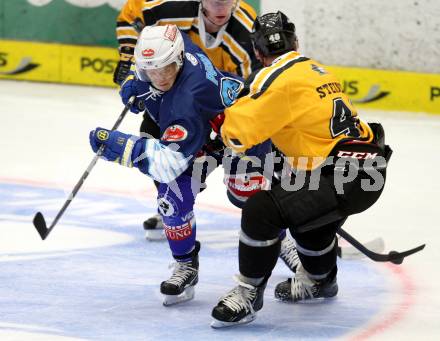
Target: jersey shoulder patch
[(174, 133), (230, 89)]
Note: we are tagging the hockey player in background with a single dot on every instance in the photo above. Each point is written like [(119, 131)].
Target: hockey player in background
[(339, 160), (221, 28), (183, 92)]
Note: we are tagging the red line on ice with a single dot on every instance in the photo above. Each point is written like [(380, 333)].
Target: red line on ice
[(396, 315)]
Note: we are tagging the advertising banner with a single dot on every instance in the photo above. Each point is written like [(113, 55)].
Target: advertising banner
[(57, 63), (391, 90), (372, 89)]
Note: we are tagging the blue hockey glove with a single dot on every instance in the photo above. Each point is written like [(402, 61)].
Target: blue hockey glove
[(118, 146), (133, 87)]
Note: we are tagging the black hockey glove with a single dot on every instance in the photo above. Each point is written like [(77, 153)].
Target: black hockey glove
[(214, 145), (121, 72), (123, 67)]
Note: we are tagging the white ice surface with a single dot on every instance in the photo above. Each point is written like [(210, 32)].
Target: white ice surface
[(96, 278)]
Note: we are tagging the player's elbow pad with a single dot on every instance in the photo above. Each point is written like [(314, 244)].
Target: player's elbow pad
[(159, 161)]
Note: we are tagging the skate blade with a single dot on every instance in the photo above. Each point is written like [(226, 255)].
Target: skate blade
[(217, 324), (155, 235), (311, 301), (314, 300), (187, 295)]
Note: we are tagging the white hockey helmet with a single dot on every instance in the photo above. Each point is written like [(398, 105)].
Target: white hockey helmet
[(157, 47)]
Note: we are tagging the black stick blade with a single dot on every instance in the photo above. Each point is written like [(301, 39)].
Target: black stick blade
[(40, 225), (397, 257)]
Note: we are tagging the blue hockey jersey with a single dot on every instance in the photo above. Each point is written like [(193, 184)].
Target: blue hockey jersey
[(199, 93)]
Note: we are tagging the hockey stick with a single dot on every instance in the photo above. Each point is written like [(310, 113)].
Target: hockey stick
[(39, 221), (393, 256), (350, 252)]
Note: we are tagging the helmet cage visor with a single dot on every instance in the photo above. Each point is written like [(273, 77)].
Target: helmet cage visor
[(157, 48), (150, 74)]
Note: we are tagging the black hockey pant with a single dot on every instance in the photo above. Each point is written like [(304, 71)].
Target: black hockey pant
[(312, 217)]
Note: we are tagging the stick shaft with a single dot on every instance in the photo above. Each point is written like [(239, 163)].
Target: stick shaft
[(392, 256), (89, 168)]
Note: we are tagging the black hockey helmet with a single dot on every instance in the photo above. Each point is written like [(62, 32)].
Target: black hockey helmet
[(273, 34)]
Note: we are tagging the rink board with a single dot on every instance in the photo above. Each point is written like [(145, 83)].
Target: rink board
[(57, 63), (87, 65), (391, 90)]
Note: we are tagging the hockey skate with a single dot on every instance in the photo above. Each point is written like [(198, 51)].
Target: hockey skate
[(154, 229), (238, 306), (288, 253), (180, 286), (303, 288)]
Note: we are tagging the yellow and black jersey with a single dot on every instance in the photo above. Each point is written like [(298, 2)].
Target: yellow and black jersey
[(233, 53), (298, 104)]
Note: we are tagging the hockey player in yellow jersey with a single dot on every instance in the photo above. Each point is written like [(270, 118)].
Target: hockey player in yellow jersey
[(306, 100), (221, 28), (336, 166)]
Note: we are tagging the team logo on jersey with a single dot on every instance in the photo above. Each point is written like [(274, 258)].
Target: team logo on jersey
[(193, 60), (148, 53), (171, 32), (229, 90), (175, 133), (167, 206), (319, 69), (102, 135)]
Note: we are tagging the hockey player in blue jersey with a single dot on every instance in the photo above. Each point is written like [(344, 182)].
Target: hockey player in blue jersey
[(183, 92)]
